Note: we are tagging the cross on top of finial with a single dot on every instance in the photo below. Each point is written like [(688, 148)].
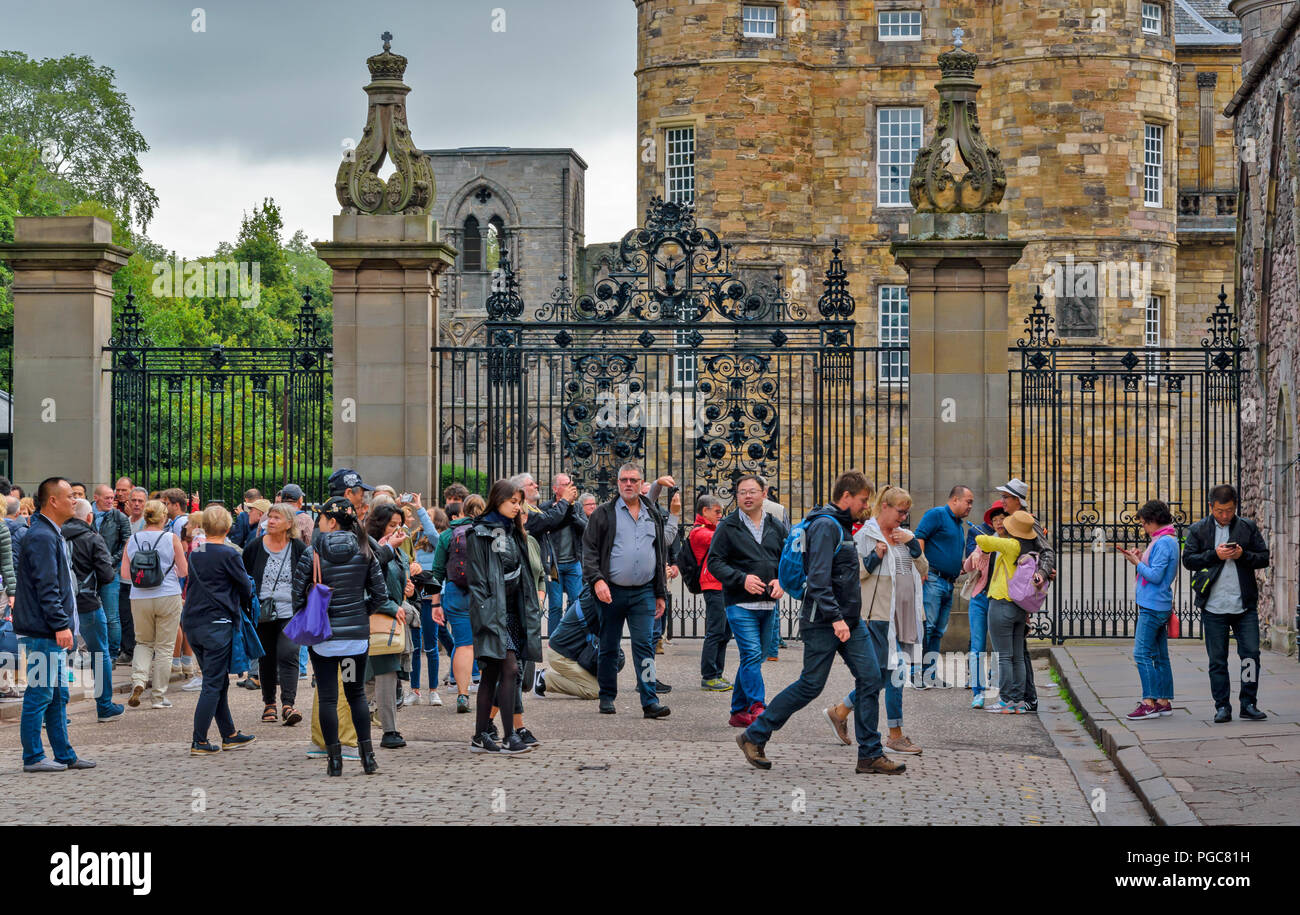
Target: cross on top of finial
[(956, 37), (387, 37)]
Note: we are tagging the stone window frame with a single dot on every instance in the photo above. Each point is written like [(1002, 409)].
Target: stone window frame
[(659, 128), (876, 108), (1159, 17), (1153, 318), (894, 10), (776, 21), (1163, 125), (891, 375)]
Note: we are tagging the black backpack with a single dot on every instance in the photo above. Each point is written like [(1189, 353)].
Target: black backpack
[(146, 571), (688, 566)]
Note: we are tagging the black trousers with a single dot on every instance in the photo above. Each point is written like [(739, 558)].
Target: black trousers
[(327, 694), (717, 633), (1245, 627), (279, 666), (212, 651), (128, 622)]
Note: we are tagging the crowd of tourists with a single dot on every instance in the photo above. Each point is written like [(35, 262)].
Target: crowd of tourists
[(365, 592)]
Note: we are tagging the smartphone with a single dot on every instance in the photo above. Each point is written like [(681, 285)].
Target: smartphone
[(407, 497), (1231, 544)]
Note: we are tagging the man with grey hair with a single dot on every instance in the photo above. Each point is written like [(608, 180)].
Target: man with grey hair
[(115, 528), (92, 568)]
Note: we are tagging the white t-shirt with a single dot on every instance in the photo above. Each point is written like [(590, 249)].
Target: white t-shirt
[(161, 541)]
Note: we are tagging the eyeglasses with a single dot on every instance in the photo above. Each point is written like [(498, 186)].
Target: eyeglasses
[(629, 480)]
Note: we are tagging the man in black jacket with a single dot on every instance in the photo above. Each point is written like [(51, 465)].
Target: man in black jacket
[(93, 569), (43, 622), (558, 526), (831, 623), (1223, 551), (623, 560), (743, 556), (115, 527)]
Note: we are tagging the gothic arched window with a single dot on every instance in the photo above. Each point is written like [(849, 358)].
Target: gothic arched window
[(496, 238)]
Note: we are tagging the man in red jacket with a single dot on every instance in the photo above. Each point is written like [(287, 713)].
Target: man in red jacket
[(717, 633)]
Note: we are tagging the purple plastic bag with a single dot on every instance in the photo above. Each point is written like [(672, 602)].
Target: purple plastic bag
[(1021, 588), (311, 626)]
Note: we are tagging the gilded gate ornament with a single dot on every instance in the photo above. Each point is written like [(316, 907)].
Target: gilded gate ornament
[(410, 189), (957, 172)]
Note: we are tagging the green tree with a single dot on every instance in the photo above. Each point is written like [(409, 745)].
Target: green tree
[(83, 127)]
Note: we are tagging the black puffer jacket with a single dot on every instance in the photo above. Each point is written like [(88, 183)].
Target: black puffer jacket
[(359, 588)]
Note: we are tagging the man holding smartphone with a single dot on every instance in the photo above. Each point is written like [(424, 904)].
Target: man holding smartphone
[(1223, 551)]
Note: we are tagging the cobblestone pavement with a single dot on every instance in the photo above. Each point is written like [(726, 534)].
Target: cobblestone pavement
[(1238, 773), (686, 769)]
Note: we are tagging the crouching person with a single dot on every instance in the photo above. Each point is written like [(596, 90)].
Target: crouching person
[(573, 650)]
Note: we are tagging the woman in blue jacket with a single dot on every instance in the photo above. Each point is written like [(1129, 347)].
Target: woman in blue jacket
[(1156, 569)]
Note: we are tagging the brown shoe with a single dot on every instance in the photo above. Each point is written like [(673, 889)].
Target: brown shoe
[(840, 725), (880, 765), (136, 693), (753, 752), (902, 744)]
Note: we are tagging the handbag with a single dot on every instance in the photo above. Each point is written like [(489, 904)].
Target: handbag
[(1021, 589), (311, 625), (1175, 630), (387, 635)]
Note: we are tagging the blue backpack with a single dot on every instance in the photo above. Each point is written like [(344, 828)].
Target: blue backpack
[(790, 570)]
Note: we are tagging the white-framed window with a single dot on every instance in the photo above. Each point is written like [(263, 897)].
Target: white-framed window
[(684, 364), (894, 324), (1153, 157), (758, 21), (899, 25), (1151, 331), (898, 137), (1152, 18), (679, 170)]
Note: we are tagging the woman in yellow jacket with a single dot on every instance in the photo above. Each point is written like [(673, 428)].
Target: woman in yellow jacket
[(1006, 620)]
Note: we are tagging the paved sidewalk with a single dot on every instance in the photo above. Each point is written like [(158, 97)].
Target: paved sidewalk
[(1187, 769), (686, 769)]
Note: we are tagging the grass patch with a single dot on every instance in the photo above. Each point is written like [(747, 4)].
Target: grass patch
[(1064, 692)]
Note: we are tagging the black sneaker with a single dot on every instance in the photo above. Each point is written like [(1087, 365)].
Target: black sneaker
[(539, 682), (607, 708), (527, 737), (662, 687), (392, 740), (514, 745), (207, 748), (493, 732), (483, 743), (236, 741), (655, 711)]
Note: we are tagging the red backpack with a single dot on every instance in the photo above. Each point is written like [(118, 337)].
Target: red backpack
[(458, 557)]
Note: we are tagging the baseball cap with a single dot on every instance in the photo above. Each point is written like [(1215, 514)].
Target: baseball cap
[(292, 492), (344, 479)]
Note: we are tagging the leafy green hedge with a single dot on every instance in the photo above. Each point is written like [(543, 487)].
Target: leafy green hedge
[(474, 480)]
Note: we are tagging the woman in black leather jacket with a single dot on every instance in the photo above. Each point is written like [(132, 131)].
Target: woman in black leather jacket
[(349, 567)]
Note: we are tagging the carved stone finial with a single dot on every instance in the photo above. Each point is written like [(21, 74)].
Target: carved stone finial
[(957, 172), (387, 38), (956, 37), (410, 189)]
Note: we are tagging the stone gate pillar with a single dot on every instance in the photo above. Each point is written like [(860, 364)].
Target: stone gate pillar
[(63, 311), (386, 258), (957, 255)]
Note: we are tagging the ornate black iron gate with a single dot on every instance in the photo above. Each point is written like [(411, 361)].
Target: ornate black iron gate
[(674, 361), (218, 420), (1096, 431)]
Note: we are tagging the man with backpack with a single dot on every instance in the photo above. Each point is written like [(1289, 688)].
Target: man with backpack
[(820, 563), (44, 617), (93, 570), (698, 580), (744, 558)]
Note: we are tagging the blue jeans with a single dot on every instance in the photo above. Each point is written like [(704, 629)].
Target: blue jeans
[(636, 606), (979, 632), (820, 646), (302, 660), (46, 700), (879, 630), (752, 630), (570, 584), (937, 595), (425, 642), (108, 596), (1151, 653), (94, 629), (774, 633)]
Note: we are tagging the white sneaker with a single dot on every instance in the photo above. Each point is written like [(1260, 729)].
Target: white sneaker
[(434, 698), (473, 687), (194, 685), (162, 703)]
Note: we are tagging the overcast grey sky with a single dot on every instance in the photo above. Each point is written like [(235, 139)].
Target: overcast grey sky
[(259, 103)]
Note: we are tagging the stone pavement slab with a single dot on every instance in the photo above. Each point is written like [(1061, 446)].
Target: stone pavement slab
[(592, 769), (1239, 773)]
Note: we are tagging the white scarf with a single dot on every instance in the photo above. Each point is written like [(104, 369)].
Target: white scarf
[(867, 537)]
